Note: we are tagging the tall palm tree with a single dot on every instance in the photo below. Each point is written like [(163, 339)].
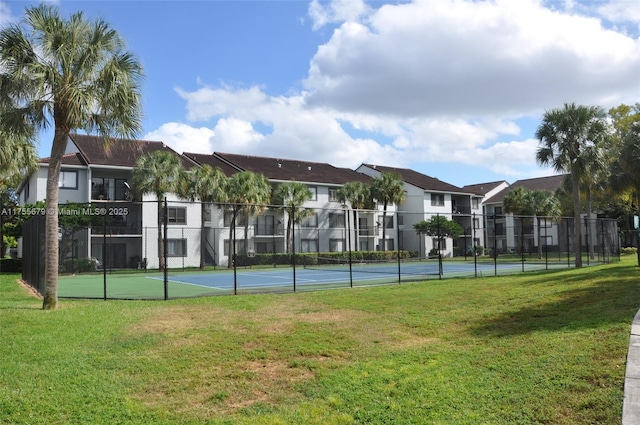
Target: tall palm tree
[(70, 74), (387, 189), (290, 197), (158, 173), (206, 184), (625, 173), (565, 135), (356, 195), (245, 188)]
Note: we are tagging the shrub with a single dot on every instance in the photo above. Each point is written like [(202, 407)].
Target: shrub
[(11, 265), (629, 250)]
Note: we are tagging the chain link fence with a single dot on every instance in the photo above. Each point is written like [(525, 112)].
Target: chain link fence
[(122, 250)]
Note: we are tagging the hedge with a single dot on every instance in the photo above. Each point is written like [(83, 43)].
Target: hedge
[(11, 265), (311, 258)]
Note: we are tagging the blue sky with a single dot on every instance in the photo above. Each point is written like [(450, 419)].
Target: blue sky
[(451, 88)]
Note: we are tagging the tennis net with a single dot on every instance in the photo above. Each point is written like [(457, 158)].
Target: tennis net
[(415, 266)]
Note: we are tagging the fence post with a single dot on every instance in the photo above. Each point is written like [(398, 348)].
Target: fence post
[(293, 244), (104, 256), (165, 247), (473, 241)]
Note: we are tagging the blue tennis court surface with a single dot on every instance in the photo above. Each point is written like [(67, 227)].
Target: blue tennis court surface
[(331, 276)]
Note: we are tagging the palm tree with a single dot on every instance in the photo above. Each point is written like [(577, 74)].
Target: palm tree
[(543, 204), (518, 202), (245, 187), (387, 189), (357, 195), (17, 157), (159, 173), (565, 135), (290, 196), (206, 184), (69, 74), (625, 174)]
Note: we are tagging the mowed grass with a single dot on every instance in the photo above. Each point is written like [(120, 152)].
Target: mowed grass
[(534, 348)]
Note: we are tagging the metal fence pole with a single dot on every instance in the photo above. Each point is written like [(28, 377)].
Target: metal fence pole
[(165, 248), (104, 256), (473, 241), (293, 244)]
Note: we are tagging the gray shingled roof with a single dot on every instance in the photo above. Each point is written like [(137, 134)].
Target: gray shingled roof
[(120, 152), (213, 161), (289, 169), (420, 180), (483, 188), (550, 184)]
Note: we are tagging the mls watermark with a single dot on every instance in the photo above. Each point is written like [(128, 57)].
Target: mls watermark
[(65, 211)]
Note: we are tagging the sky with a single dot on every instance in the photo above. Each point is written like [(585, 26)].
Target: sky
[(453, 89)]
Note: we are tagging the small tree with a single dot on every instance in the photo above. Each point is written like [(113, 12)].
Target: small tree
[(440, 227), (289, 197), (387, 189), (159, 173), (357, 195)]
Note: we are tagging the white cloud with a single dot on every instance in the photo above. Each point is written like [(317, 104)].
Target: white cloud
[(183, 138), (336, 11), (621, 11), (465, 58), (444, 81)]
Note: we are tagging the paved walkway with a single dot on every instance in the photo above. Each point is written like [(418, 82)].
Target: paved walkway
[(631, 404)]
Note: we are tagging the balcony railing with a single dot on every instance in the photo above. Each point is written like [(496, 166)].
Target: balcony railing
[(269, 230), (117, 230)]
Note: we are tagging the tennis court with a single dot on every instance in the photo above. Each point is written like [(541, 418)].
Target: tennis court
[(151, 285)]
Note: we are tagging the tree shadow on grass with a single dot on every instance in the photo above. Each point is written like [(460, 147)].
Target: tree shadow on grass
[(612, 297)]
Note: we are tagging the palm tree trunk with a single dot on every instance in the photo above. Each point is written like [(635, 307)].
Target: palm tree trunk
[(575, 187), (161, 264), (50, 296), (539, 238)]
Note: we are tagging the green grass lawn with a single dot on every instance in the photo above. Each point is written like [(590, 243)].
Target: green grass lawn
[(533, 348)]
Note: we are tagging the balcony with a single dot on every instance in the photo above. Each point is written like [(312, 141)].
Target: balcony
[(117, 230), (268, 230)]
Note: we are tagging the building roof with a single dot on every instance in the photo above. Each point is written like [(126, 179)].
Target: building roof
[(279, 169), (213, 161), (483, 188), (549, 184), (420, 180), (74, 158), (119, 153)]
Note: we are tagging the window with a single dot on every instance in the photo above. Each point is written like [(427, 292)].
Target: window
[(240, 219), (309, 245), (474, 203), (176, 247), (311, 221), (265, 225), (498, 212), (336, 220), (389, 245), (68, 179), (336, 245), (314, 193), (437, 199), (364, 246), (265, 247), (177, 215), (476, 223), (442, 244), (333, 194), (389, 222), (239, 246)]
